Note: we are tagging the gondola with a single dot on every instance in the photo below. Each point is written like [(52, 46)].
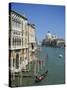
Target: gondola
[(41, 77), (39, 66)]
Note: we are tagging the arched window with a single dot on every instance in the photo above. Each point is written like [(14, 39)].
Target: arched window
[(13, 62), (32, 46), (13, 42), (20, 60), (17, 61)]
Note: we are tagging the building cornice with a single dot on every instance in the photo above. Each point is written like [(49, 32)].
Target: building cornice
[(22, 16), (32, 25)]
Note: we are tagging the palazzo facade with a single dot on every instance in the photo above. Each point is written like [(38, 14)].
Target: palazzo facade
[(22, 40)]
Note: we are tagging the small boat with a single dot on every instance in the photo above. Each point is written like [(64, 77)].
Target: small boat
[(38, 67), (41, 77), (60, 56)]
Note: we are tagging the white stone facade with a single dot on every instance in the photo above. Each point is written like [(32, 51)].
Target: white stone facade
[(20, 40)]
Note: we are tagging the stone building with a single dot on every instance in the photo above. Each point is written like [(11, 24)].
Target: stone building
[(20, 39), (32, 40), (48, 36), (53, 41), (60, 42)]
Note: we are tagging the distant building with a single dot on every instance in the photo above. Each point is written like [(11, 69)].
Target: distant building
[(48, 36), (53, 41), (48, 39), (54, 37), (60, 42)]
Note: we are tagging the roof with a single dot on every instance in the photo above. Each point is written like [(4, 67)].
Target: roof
[(60, 39), (22, 16), (32, 25)]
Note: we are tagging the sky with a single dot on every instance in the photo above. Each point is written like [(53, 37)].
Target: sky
[(45, 17)]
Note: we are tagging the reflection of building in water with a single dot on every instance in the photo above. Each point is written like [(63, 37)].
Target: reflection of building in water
[(21, 39)]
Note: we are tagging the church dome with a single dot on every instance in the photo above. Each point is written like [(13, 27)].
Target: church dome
[(48, 35)]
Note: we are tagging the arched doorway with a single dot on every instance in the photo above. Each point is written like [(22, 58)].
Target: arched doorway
[(17, 61)]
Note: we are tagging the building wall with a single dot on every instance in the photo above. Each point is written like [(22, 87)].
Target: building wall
[(21, 38), (32, 41), (16, 32), (60, 42), (17, 38)]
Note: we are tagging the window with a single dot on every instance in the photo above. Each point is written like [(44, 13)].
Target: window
[(13, 41), (20, 60), (22, 41), (9, 58), (16, 41), (17, 61), (32, 46), (16, 24), (9, 41), (22, 28), (13, 62)]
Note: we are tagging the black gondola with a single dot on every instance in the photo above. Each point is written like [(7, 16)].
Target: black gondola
[(41, 77)]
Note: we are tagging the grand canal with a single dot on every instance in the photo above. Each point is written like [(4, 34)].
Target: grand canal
[(54, 64)]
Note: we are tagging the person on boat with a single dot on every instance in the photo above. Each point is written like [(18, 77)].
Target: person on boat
[(39, 77)]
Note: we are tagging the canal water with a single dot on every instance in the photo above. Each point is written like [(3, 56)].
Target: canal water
[(54, 64)]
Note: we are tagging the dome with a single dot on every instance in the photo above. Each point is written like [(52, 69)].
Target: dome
[(48, 35)]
